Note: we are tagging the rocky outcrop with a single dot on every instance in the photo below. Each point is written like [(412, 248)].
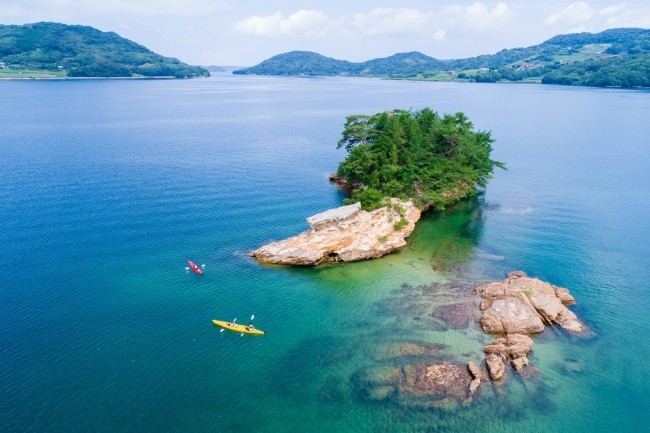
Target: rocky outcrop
[(478, 376), (513, 348), (345, 234), (520, 304), (496, 366), (510, 314)]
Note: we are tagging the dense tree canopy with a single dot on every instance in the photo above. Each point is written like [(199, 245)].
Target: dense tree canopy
[(620, 60), (435, 160), (83, 51)]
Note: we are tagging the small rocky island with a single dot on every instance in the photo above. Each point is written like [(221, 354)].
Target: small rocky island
[(517, 306), (345, 234), (399, 164)]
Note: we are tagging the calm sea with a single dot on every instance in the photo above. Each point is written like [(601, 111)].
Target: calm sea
[(108, 187)]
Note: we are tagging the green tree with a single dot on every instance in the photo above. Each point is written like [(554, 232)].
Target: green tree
[(418, 154)]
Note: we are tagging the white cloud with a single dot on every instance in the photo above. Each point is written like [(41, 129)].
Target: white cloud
[(386, 21), (637, 18), (480, 17), (573, 14), (304, 22), (610, 10), (380, 22), (131, 7)]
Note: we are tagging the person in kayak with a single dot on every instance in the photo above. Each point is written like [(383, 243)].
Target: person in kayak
[(251, 327), (231, 324)]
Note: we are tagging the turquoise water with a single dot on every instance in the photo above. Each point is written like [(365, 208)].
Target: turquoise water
[(108, 187)]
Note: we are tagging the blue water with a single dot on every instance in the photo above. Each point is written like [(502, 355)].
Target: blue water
[(108, 187)]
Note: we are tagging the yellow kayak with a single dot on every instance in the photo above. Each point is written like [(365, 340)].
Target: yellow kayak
[(238, 328)]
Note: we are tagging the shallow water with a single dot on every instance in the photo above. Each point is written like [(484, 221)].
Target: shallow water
[(108, 187)]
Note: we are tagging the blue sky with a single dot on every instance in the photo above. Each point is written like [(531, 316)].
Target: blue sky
[(232, 32)]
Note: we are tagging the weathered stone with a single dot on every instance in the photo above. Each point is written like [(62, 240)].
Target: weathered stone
[(473, 386), (476, 371), (520, 304), (478, 376), (511, 347), (344, 234), (519, 363), (564, 296), (496, 365), (553, 311), (510, 314)]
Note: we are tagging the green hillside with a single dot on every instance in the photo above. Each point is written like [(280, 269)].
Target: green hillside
[(59, 50), (615, 57)]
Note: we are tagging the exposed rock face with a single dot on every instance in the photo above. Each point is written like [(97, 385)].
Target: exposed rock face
[(496, 365), (478, 376), (513, 348), (520, 304), (344, 234), (510, 314)]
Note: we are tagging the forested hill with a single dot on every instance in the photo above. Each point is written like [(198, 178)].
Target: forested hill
[(615, 57), (82, 51)]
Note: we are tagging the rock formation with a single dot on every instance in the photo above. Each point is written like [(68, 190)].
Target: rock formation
[(514, 348), (523, 305), (478, 376), (344, 234)]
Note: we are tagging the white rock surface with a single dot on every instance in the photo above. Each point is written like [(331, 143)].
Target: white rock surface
[(344, 234)]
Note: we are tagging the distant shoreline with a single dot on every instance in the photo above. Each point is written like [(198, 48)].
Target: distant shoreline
[(91, 78)]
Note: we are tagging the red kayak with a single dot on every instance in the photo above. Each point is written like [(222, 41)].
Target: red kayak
[(195, 268)]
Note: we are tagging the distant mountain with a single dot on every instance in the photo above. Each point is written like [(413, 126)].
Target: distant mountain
[(81, 51), (213, 68), (616, 57), (310, 63)]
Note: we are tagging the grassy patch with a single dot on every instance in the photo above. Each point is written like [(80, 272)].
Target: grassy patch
[(399, 225), (30, 73)]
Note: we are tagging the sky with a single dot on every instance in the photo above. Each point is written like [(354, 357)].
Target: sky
[(245, 32)]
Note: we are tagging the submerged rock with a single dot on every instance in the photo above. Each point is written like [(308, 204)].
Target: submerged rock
[(407, 350), (423, 384), (435, 384), (345, 234), (456, 316)]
